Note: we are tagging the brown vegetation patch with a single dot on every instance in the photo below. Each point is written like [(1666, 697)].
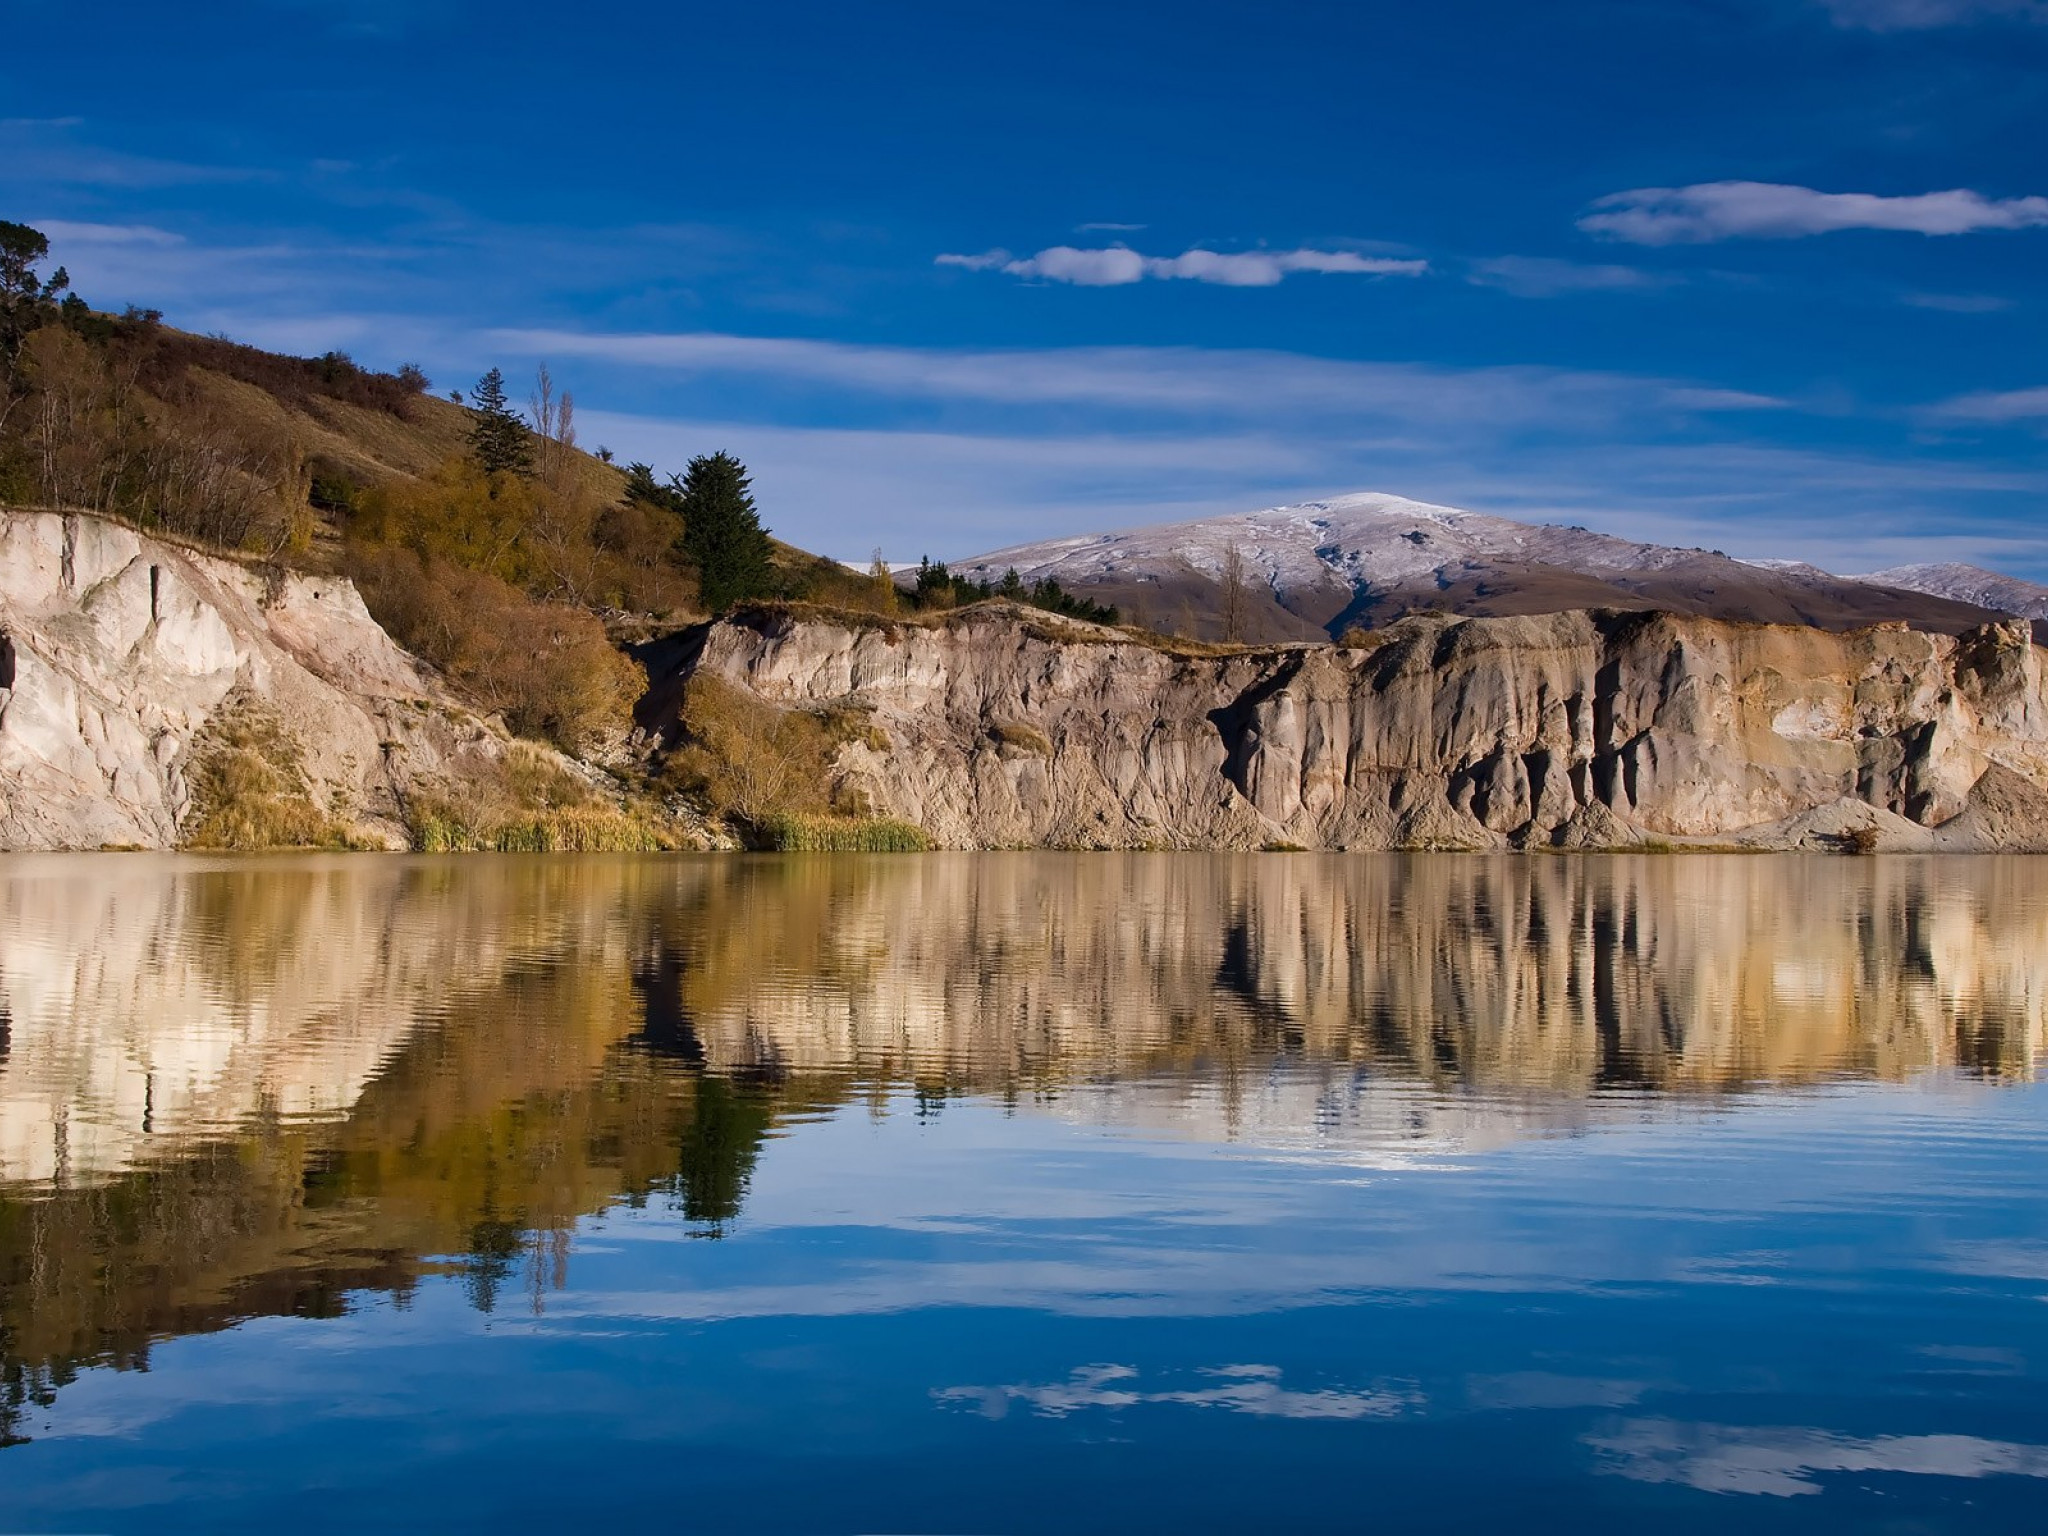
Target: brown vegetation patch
[(1020, 737), (547, 668), (532, 804), (249, 790)]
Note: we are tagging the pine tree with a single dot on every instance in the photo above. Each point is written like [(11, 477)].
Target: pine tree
[(722, 532), (500, 441), (26, 301)]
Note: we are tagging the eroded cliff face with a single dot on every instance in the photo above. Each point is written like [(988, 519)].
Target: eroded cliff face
[(1006, 728), (118, 652)]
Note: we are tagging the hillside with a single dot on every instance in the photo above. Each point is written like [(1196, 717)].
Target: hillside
[(1314, 570)]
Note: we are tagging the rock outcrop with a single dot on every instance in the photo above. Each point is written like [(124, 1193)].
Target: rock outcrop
[(120, 654), (1003, 727)]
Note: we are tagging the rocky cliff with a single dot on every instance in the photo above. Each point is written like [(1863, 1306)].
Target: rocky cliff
[(126, 661), (1001, 727), (132, 669)]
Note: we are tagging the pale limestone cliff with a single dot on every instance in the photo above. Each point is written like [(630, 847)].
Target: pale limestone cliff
[(1002, 727), (117, 652)]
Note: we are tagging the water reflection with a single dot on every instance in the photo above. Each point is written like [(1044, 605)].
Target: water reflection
[(234, 1089)]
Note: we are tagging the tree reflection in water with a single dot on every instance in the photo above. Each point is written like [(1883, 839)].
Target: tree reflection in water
[(235, 1089)]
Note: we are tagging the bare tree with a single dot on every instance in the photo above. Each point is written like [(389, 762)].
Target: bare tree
[(1233, 595), (554, 423), (884, 583), (564, 512)]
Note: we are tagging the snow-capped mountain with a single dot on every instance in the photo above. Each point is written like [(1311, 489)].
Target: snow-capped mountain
[(1967, 584), (1319, 566)]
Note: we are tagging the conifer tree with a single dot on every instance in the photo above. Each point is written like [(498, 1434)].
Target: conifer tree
[(500, 441), (25, 300), (722, 532)]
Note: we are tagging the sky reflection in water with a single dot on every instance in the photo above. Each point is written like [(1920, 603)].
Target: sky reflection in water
[(1030, 1192)]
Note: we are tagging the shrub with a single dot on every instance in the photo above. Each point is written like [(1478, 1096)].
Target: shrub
[(747, 758), (547, 667)]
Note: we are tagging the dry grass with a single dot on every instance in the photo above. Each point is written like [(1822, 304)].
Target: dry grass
[(1024, 738), (839, 834), (532, 805), (249, 790)]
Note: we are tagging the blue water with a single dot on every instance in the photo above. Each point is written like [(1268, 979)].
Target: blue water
[(1029, 1194)]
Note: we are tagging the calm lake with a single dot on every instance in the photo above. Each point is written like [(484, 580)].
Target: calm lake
[(1024, 1192)]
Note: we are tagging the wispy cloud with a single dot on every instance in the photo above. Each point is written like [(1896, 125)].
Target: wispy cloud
[(1246, 384), (50, 152), (1543, 277), (1958, 303), (1922, 15), (72, 232), (1117, 265), (1995, 407), (1758, 210)]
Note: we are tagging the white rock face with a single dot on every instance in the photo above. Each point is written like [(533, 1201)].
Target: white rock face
[(117, 649), (1569, 730)]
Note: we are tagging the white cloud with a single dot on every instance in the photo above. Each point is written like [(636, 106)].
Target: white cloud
[(1108, 268), (1920, 15), (1117, 265), (1543, 277), (1757, 210), (1997, 407)]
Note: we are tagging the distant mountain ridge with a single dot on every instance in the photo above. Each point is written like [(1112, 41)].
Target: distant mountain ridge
[(1313, 569), (1968, 584)]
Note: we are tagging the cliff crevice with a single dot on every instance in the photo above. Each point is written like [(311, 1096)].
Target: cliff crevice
[(1563, 730)]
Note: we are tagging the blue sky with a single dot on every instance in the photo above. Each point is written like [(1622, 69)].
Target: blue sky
[(1762, 275)]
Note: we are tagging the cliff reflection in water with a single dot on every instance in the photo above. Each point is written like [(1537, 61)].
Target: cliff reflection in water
[(237, 1088)]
